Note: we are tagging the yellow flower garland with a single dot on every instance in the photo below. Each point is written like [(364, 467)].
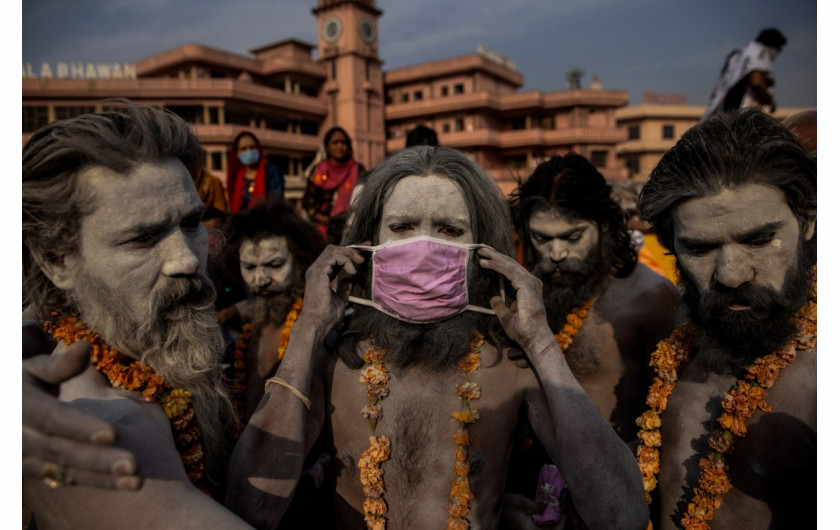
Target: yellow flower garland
[(124, 372), (239, 374), (739, 404), (375, 376), (574, 321)]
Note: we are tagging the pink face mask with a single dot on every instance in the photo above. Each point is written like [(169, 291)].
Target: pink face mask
[(421, 279)]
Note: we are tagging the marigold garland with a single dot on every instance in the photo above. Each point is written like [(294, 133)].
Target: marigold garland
[(574, 321), (461, 494), (739, 404), (242, 342), (375, 376), (124, 372)]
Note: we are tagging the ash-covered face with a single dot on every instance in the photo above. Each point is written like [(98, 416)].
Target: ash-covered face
[(562, 242), (145, 229), (266, 265), (426, 206), (742, 236), (740, 252)]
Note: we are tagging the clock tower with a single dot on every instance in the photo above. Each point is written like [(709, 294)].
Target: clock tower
[(348, 44)]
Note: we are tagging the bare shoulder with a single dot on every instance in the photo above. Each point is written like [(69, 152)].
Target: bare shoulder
[(795, 391), (643, 295), (143, 429), (644, 283)]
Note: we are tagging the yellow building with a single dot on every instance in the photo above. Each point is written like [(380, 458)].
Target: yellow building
[(655, 126)]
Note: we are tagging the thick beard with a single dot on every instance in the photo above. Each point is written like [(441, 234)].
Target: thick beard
[(733, 340), (272, 309), (569, 284), (436, 346), (179, 339)]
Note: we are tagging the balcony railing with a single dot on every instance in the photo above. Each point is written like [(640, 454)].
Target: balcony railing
[(170, 90)]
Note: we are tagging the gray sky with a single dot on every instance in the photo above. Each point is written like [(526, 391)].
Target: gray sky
[(666, 46)]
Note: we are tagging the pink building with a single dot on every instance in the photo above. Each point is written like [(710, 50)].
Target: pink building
[(289, 99)]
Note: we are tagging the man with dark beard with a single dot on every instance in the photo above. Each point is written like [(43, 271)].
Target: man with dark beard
[(607, 310), (735, 200), (271, 247), (413, 381), (114, 254)]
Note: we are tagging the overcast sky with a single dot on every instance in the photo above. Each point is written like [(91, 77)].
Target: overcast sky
[(666, 46)]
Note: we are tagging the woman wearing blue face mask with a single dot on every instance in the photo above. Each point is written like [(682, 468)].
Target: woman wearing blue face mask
[(249, 176)]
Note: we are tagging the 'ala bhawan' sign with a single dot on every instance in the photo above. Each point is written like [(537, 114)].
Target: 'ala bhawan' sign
[(80, 71)]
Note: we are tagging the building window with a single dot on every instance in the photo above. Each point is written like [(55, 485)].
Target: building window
[(599, 158), (667, 132), (633, 132), (446, 128), (332, 69), (517, 162), (405, 98), (389, 99), (518, 123), (444, 90), (418, 95), (459, 124), (547, 123), (34, 118), (458, 88), (216, 161), (633, 165), (65, 113)]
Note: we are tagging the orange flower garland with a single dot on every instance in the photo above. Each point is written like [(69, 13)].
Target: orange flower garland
[(739, 404), (124, 372), (574, 321), (461, 494), (294, 312), (239, 374), (375, 376)]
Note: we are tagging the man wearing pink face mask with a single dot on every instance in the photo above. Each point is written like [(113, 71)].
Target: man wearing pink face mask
[(402, 354)]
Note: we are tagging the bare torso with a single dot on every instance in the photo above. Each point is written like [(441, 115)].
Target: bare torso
[(417, 419), (773, 469), (610, 354)]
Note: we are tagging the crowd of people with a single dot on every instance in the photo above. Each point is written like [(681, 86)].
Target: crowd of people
[(467, 360)]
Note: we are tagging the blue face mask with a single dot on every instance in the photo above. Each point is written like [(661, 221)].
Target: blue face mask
[(249, 158)]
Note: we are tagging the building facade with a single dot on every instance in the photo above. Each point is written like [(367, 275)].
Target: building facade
[(653, 127), (289, 98)]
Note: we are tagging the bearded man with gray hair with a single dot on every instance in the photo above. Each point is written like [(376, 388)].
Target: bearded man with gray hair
[(114, 254)]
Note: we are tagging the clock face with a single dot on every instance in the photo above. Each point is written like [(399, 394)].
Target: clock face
[(331, 30), (367, 30)]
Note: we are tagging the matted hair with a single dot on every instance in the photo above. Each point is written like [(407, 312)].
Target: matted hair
[(490, 220), (490, 223), (746, 146), (572, 185), (53, 205), (268, 218)]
